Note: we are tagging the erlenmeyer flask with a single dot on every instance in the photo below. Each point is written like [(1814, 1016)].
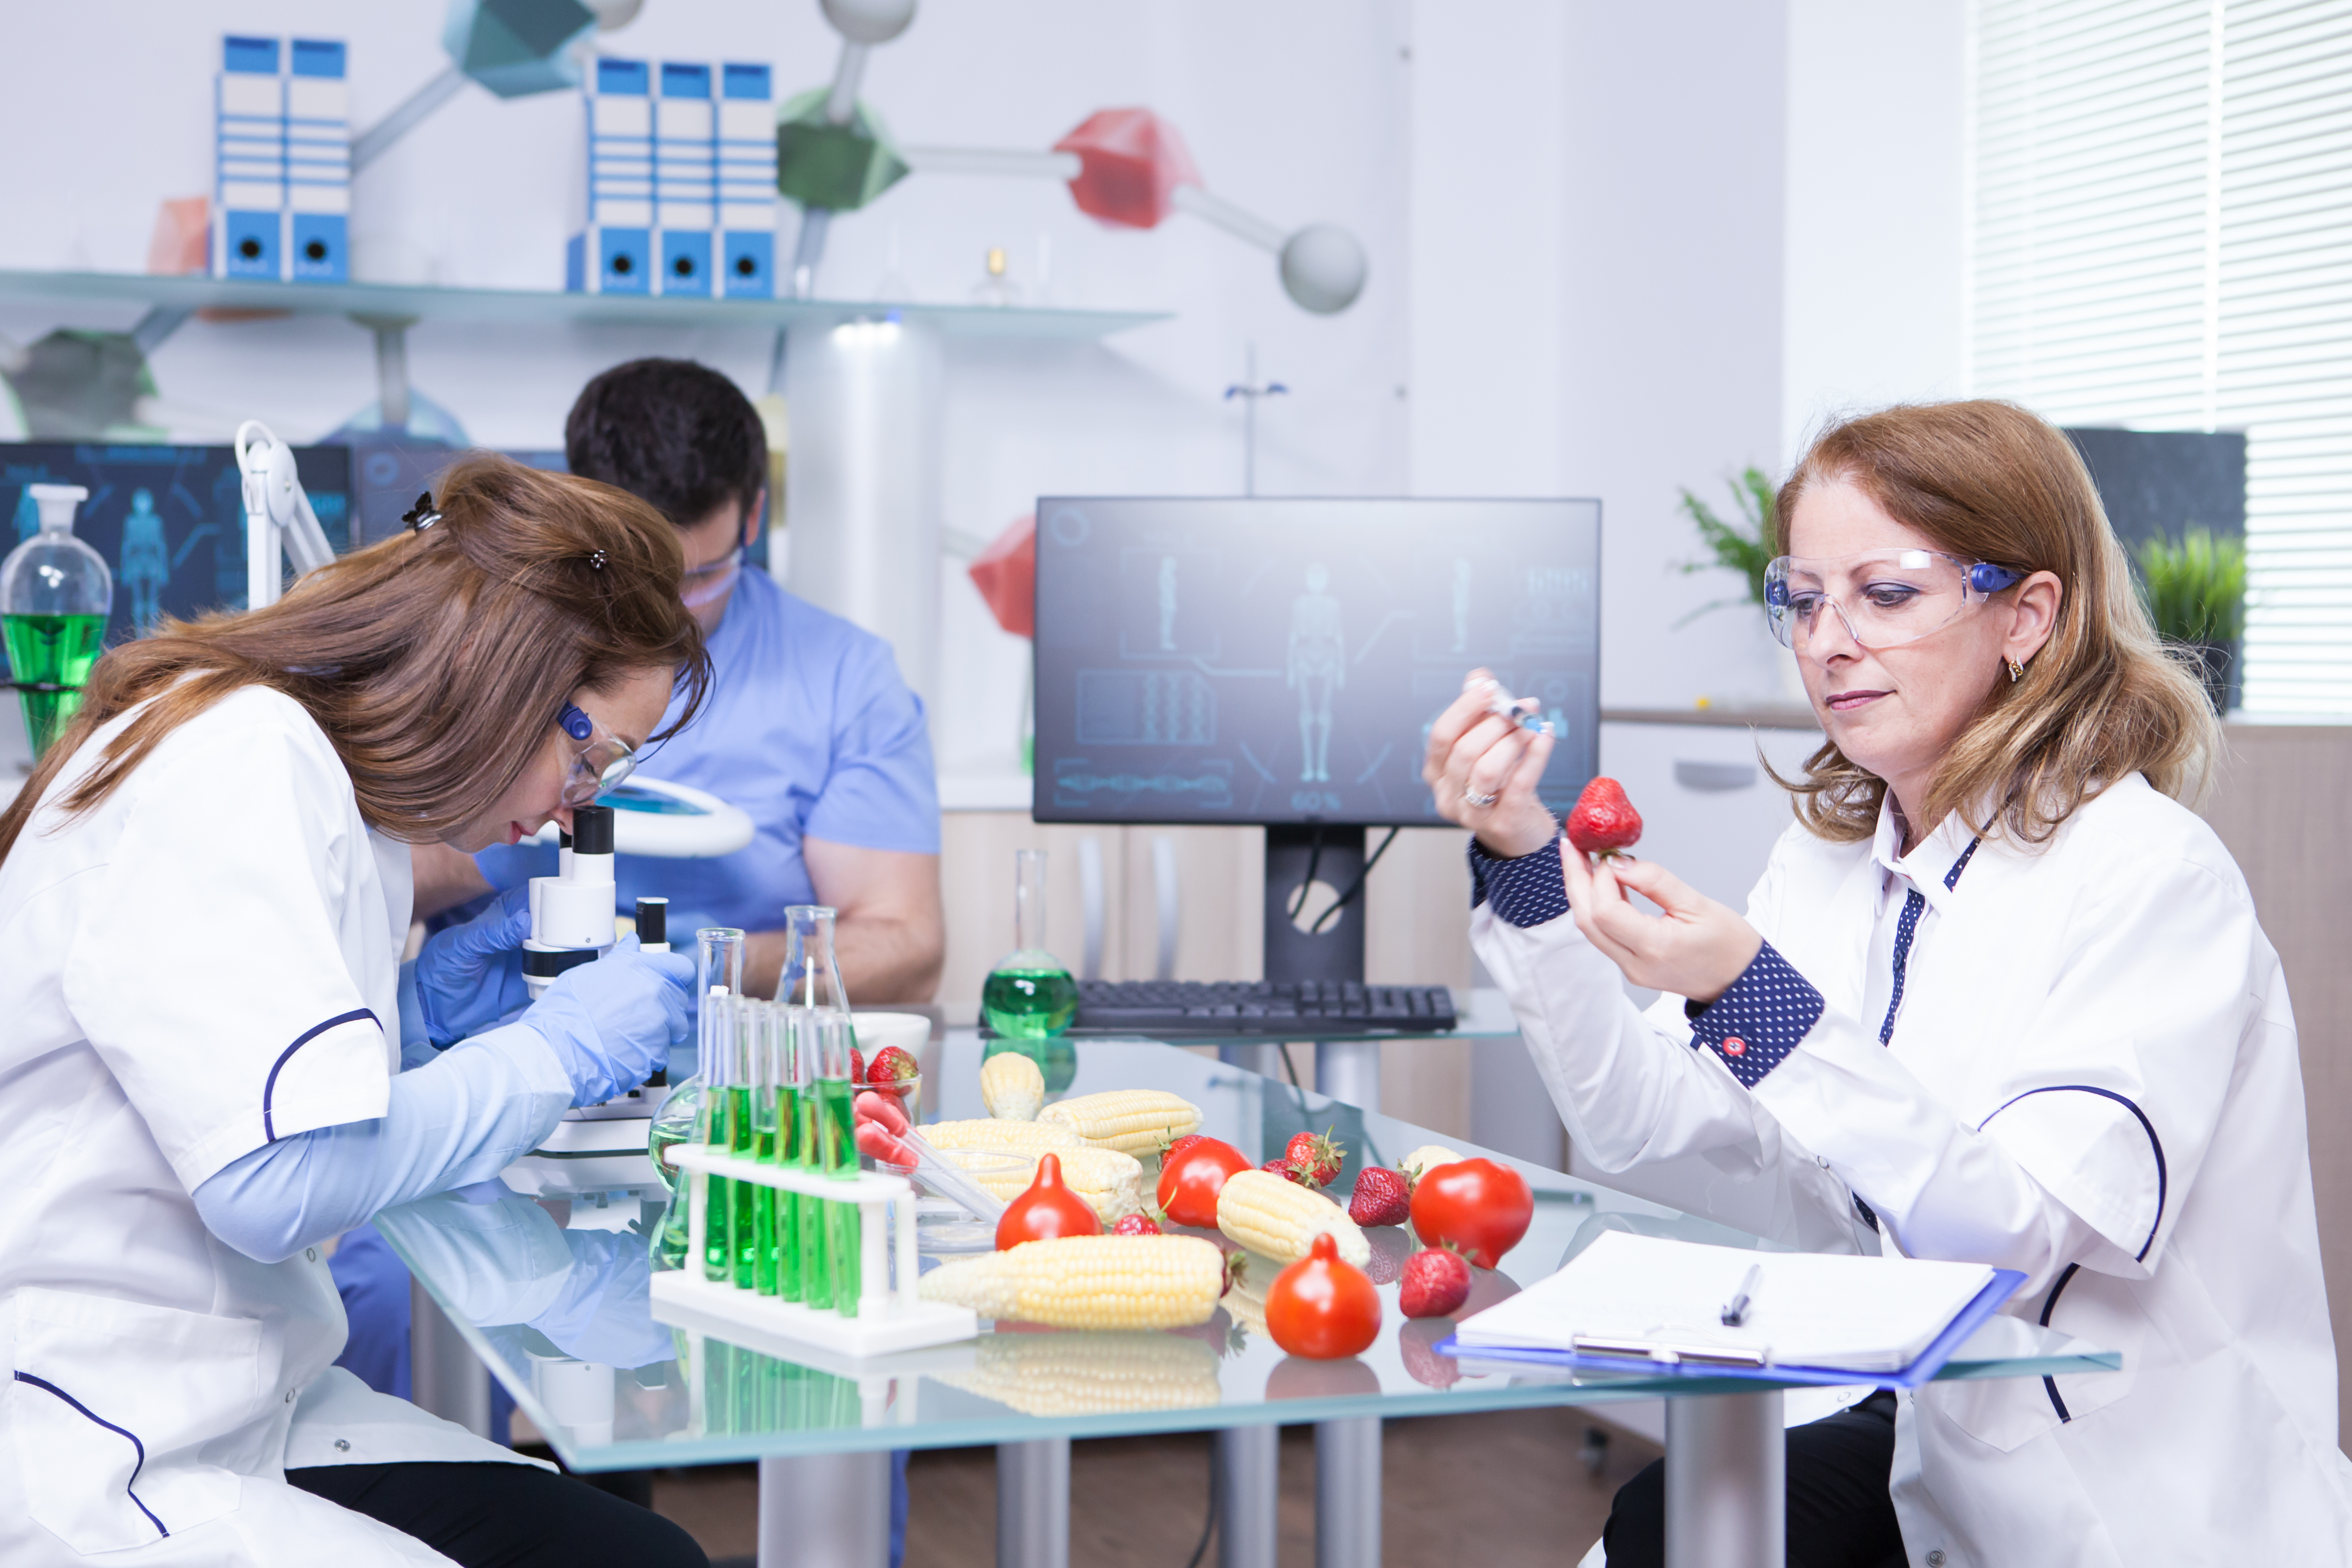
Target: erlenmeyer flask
[(55, 595), (1030, 994)]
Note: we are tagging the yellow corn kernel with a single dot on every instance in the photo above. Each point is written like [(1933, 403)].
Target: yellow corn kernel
[(1132, 1120), (1280, 1219), (1086, 1375), (1088, 1282), (1011, 1087), (1110, 1182)]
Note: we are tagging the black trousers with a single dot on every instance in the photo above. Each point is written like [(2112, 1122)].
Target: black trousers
[(1839, 1513), (506, 1516)]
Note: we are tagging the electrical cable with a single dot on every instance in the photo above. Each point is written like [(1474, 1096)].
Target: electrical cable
[(1354, 888), (1314, 860), (1208, 1525)]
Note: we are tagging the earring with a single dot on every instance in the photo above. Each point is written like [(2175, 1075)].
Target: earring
[(2016, 671)]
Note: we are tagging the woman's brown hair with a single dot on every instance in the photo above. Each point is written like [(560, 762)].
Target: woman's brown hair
[(2102, 701), (435, 662)]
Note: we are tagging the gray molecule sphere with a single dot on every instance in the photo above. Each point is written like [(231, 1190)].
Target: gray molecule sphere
[(1323, 269), (868, 21)]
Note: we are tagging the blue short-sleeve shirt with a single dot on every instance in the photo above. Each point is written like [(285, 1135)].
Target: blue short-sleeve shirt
[(810, 729)]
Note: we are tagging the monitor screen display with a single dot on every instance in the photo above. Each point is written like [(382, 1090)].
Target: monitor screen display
[(1281, 661), (170, 521)]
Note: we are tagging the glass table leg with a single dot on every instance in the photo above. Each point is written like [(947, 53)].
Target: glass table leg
[(1349, 1072), (825, 1510), (1248, 1477), (1726, 1481), (1348, 1493), (1032, 1504)]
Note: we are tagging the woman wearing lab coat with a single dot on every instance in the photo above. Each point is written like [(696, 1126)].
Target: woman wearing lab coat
[(2000, 996), (203, 897)]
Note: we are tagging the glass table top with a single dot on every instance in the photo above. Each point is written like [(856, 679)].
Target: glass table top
[(548, 1282)]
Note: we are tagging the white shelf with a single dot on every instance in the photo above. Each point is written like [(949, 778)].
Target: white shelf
[(188, 292)]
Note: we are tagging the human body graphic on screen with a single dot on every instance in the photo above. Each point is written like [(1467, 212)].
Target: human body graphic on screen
[(146, 564), (1316, 664)]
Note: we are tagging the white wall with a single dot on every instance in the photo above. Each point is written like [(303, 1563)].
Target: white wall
[(1875, 208)]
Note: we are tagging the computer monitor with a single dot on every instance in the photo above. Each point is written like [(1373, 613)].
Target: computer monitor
[(1280, 661), (170, 521)]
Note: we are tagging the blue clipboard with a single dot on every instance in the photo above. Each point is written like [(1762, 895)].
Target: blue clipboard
[(1930, 1361)]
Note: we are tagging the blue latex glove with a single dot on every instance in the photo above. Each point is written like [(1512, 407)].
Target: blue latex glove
[(614, 1021), (470, 977), (461, 1117)]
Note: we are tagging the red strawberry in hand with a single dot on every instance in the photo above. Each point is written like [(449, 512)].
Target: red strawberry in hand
[(1604, 821), (892, 1065), (1381, 1197), (1316, 1157), (1436, 1282)]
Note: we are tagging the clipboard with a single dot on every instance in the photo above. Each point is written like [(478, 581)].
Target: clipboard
[(1667, 1360)]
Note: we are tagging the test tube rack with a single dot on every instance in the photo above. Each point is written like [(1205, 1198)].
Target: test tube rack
[(889, 1319)]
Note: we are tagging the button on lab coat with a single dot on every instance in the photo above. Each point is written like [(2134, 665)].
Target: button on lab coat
[(2094, 1079), (202, 963)]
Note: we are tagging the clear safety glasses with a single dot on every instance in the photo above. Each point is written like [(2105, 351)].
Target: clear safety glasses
[(603, 762), (1884, 597)]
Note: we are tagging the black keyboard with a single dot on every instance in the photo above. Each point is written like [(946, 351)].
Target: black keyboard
[(1280, 1008)]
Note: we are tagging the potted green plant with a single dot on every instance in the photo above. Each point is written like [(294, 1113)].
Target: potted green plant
[(1745, 546), (2195, 590)]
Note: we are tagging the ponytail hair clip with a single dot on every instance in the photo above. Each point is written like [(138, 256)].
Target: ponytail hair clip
[(422, 515)]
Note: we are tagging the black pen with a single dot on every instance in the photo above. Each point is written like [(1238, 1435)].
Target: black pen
[(1735, 1312)]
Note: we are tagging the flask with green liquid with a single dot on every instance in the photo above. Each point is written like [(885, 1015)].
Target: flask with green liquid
[(55, 595), (1029, 995)]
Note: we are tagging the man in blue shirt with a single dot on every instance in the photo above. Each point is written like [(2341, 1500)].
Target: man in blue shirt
[(809, 727)]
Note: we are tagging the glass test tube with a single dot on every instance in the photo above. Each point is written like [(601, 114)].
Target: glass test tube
[(767, 1025), (837, 1145), (783, 1105), (808, 1213), (742, 1093), (719, 966)]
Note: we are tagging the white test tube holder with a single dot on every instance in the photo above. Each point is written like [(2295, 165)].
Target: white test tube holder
[(888, 1318)]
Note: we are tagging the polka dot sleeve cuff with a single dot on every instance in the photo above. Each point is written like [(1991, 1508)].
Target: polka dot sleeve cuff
[(1765, 1015), (1528, 891)]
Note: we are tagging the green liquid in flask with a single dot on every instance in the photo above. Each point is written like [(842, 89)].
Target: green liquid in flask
[(1029, 1003), (837, 1129), (55, 650)]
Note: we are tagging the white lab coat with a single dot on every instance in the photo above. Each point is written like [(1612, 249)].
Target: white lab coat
[(2094, 1079), (204, 963)]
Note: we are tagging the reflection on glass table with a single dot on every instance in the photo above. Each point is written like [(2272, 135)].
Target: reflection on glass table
[(562, 1317)]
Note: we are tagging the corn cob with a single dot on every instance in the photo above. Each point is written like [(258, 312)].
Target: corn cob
[(1280, 1219), (1088, 1282), (1110, 1182), (1424, 1158), (1132, 1120), (1085, 1374), (1031, 1138), (1011, 1087)]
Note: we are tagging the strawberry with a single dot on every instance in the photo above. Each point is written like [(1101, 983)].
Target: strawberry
[(1436, 1282), (1168, 1152), (892, 1065), (1281, 1166), (1316, 1157), (1136, 1225), (1417, 1342), (1381, 1197), (1391, 1245), (1604, 822), (856, 1066)]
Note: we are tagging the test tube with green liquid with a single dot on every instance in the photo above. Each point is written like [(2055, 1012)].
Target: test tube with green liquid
[(766, 1024), (719, 951), (808, 1213), (784, 1105), (838, 1147), (742, 1138)]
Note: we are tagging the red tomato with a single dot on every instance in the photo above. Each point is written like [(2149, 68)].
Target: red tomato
[(1048, 1209), (1322, 1307), (1190, 1180), (1480, 1206)]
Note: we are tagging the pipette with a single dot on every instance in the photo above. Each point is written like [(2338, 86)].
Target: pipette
[(1503, 705)]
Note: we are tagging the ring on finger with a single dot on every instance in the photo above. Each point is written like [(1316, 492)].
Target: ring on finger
[(1472, 797)]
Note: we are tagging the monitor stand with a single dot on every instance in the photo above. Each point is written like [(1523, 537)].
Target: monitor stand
[(1347, 1071)]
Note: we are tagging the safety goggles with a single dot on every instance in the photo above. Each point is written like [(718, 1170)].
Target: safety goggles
[(1884, 597), (603, 762), (702, 584)]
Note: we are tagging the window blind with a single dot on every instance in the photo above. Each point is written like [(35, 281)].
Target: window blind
[(2161, 239)]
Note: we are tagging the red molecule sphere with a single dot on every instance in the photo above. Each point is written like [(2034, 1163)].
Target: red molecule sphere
[(1132, 162)]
